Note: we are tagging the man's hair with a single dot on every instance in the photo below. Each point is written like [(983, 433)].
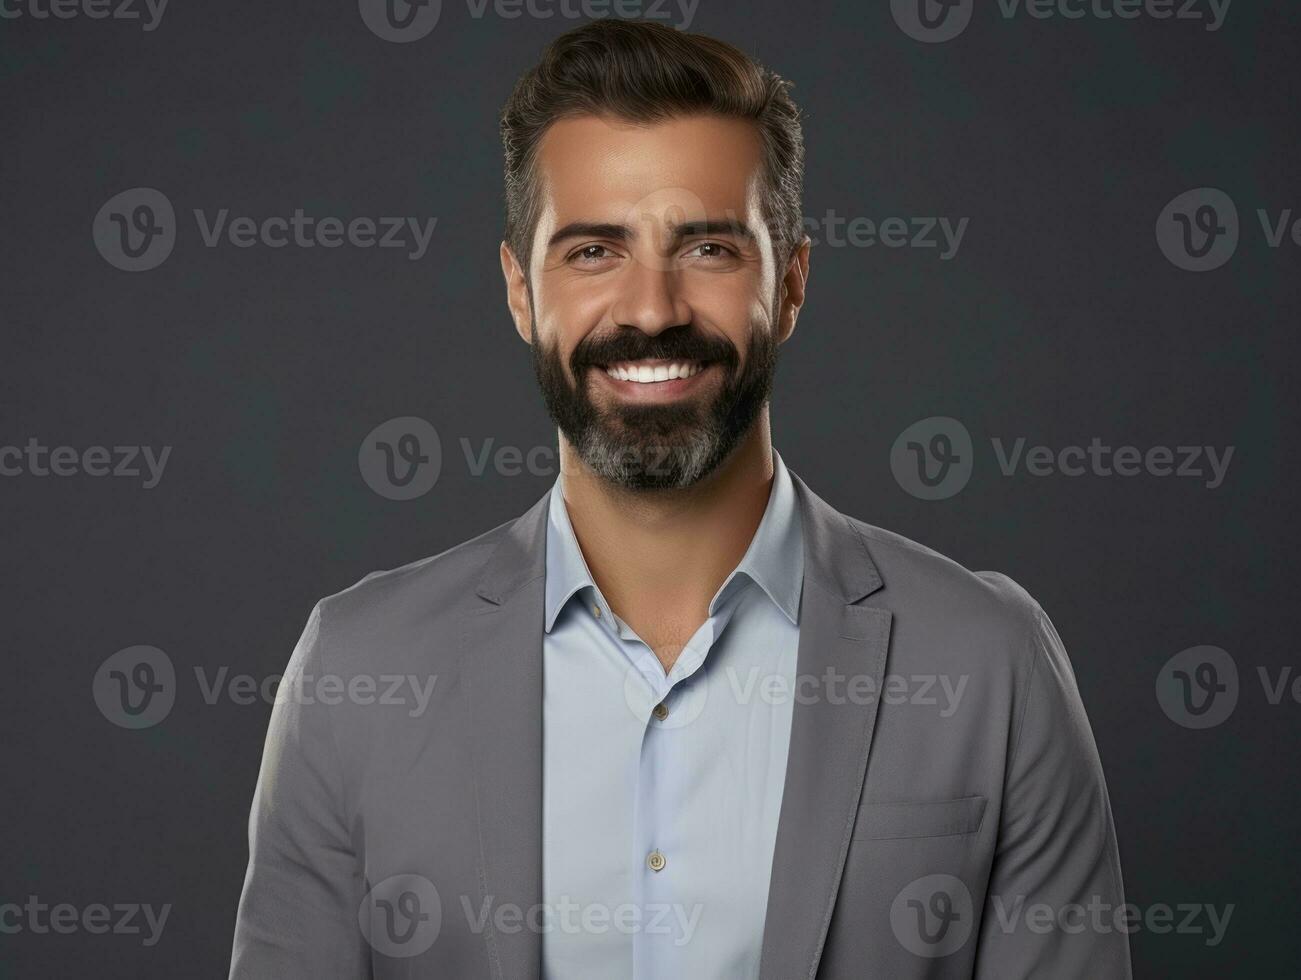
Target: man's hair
[(645, 72)]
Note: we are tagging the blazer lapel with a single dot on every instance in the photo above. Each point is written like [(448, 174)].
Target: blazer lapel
[(502, 659), (831, 737)]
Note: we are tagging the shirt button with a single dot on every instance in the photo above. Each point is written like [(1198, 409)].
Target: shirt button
[(655, 861), (661, 711), (596, 610)]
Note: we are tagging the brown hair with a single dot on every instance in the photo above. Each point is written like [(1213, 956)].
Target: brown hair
[(647, 72)]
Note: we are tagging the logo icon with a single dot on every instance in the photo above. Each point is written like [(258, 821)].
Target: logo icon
[(135, 687), (135, 230), (400, 21), (1198, 687), (681, 705), (932, 459), (933, 916), (932, 21), (400, 459), (1198, 230), (401, 916)]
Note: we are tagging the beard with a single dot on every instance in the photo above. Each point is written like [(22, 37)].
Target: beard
[(657, 447)]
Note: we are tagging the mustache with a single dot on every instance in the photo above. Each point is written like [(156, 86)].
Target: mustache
[(681, 343)]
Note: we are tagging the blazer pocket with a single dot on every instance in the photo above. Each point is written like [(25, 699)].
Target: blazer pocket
[(945, 818)]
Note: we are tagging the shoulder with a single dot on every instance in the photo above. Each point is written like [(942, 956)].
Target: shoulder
[(426, 580), (413, 611), (985, 614), (910, 566)]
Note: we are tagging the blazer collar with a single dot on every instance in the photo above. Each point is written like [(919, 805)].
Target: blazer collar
[(835, 551)]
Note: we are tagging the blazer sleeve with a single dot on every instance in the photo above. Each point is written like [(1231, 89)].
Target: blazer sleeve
[(298, 914), (1055, 903)]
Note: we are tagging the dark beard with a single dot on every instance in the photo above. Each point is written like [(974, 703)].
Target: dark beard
[(657, 447)]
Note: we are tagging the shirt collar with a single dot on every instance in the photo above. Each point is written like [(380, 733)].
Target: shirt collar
[(774, 560)]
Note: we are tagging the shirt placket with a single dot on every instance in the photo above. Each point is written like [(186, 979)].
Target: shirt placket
[(676, 700)]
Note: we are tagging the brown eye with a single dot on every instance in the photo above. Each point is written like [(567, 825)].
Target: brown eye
[(709, 250)]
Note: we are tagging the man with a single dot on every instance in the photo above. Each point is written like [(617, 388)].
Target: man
[(665, 737)]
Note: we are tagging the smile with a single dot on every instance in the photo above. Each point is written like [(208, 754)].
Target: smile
[(650, 372)]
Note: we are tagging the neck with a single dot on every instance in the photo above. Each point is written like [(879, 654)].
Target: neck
[(659, 556)]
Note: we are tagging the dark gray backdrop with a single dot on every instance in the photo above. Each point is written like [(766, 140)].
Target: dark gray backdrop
[(1060, 318)]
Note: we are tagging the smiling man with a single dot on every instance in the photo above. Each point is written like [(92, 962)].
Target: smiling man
[(687, 719)]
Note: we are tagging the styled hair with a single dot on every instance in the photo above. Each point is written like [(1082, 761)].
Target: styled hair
[(646, 72)]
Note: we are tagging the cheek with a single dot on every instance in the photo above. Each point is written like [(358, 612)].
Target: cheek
[(731, 305), (568, 311)]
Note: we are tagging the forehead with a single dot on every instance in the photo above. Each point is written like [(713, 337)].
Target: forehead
[(599, 167)]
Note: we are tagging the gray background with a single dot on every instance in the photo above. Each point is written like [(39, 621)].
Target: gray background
[(1058, 320)]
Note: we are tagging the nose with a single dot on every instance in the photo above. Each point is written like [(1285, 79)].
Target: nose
[(650, 298)]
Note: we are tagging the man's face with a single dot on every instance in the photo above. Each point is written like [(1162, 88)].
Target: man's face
[(655, 310)]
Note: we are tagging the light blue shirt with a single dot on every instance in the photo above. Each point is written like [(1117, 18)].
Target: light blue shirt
[(682, 771)]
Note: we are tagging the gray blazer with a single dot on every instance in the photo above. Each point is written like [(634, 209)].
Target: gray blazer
[(921, 835)]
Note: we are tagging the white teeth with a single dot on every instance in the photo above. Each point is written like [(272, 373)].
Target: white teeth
[(648, 374)]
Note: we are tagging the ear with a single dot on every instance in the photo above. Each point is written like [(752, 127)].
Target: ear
[(793, 283), (517, 294)]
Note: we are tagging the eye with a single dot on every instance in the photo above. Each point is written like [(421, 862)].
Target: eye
[(591, 254), (709, 250)]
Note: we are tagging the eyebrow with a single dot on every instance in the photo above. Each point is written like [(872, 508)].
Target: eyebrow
[(722, 227)]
